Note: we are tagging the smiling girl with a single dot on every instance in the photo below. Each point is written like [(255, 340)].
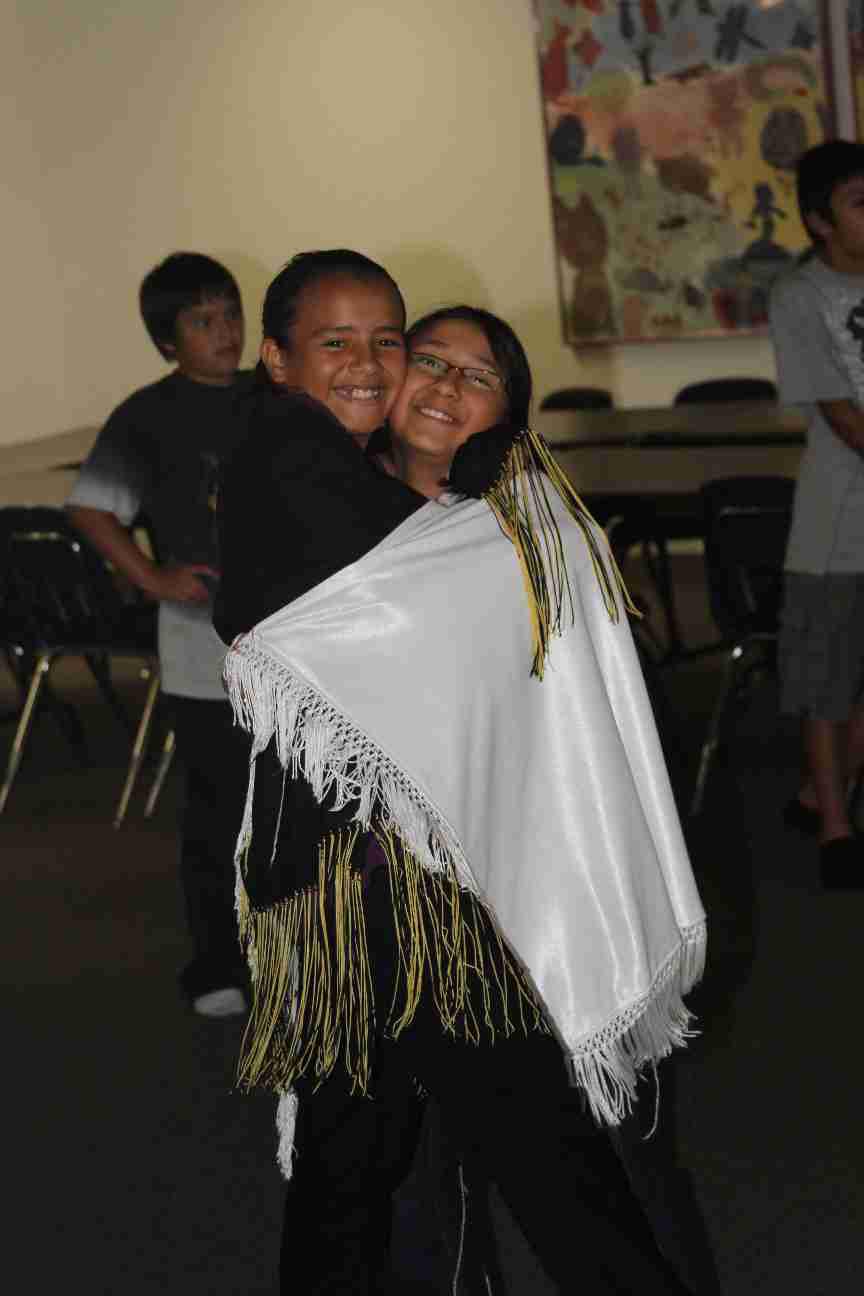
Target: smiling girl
[(437, 869), (300, 500), (466, 373)]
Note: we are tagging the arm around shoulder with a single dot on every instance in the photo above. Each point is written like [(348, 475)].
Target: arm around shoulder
[(298, 501), (287, 436)]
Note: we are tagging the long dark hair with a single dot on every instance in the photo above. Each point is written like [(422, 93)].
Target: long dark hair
[(505, 346)]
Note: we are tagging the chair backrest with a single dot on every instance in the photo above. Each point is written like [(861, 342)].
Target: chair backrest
[(747, 523), (13, 518), (577, 398), (57, 590), (727, 389)]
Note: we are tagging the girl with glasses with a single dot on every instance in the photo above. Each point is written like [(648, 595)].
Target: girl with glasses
[(460, 866)]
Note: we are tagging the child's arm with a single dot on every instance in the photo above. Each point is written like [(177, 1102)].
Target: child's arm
[(846, 421), (177, 583), (107, 497)]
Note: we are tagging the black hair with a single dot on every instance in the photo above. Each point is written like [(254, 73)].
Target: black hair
[(818, 173), (182, 279), (505, 346), (280, 302)]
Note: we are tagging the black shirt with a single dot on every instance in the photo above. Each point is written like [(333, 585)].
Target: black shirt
[(163, 445), (298, 501)]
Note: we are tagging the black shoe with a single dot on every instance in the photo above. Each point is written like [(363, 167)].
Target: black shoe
[(841, 864), (800, 817)]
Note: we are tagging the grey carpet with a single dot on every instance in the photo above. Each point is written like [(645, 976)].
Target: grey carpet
[(133, 1166)]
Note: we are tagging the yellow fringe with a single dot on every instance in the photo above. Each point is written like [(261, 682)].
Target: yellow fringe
[(311, 984), (313, 1002), (520, 503), (447, 939)]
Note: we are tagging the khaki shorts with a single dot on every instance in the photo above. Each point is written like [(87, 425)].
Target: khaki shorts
[(821, 649)]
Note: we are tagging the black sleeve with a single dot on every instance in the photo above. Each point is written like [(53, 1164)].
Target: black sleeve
[(117, 473), (298, 502)]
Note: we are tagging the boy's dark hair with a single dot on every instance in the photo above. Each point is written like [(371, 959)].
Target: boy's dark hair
[(505, 346), (182, 279), (280, 302), (818, 173)]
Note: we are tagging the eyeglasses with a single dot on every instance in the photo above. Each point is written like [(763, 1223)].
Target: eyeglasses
[(485, 380)]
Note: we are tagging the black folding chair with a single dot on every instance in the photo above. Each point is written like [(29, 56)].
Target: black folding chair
[(681, 517), (60, 600), (746, 525), (20, 668), (727, 389), (629, 520), (631, 523), (577, 398)]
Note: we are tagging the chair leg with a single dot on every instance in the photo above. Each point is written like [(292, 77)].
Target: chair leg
[(63, 712), (138, 747), (100, 668), (624, 534), (37, 679), (712, 737), (655, 555), (161, 770)]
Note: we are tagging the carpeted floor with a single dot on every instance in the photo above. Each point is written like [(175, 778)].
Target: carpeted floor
[(135, 1168)]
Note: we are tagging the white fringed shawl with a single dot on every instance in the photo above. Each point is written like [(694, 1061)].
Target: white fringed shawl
[(404, 680)]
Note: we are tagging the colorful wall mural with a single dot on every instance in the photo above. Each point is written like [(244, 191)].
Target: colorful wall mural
[(673, 130)]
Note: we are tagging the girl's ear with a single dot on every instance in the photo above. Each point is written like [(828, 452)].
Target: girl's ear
[(275, 361)]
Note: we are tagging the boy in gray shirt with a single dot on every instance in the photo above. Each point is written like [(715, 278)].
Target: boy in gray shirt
[(817, 326), (159, 452)]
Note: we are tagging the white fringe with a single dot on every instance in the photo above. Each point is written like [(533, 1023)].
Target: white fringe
[(606, 1065), (286, 1121), (314, 739)]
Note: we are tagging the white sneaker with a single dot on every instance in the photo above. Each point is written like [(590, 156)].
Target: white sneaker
[(228, 1002)]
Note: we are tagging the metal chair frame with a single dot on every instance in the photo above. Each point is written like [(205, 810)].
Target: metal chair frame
[(165, 759), (61, 601), (681, 520), (738, 512), (636, 525)]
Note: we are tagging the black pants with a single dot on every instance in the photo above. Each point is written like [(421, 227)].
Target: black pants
[(511, 1114), (215, 754)]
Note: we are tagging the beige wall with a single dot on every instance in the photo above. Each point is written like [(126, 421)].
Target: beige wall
[(409, 130)]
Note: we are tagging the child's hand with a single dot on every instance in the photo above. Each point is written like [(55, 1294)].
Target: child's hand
[(181, 583)]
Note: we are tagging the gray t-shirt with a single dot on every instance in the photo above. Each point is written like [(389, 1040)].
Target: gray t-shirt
[(190, 651), (160, 451), (817, 327)]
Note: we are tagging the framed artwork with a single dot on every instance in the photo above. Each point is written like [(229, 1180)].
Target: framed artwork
[(673, 129)]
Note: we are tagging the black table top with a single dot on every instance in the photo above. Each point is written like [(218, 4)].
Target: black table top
[(733, 423)]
